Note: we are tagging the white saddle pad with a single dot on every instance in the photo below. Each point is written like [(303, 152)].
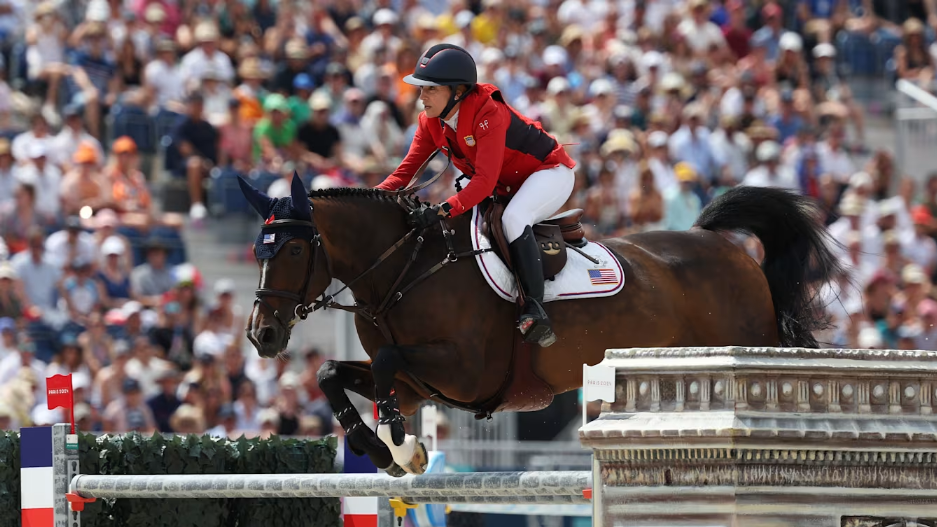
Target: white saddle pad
[(580, 278)]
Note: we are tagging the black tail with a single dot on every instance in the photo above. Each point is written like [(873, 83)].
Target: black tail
[(797, 252)]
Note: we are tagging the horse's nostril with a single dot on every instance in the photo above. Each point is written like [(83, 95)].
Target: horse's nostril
[(266, 336)]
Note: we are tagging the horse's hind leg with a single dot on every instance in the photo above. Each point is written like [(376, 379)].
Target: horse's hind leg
[(438, 364), (334, 378)]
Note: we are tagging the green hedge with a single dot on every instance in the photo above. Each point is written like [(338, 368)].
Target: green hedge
[(135, 454)]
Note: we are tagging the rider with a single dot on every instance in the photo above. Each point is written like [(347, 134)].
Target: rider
[(501, 151)]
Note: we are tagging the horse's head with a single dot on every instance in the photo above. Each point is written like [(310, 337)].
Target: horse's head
[(293, 270)]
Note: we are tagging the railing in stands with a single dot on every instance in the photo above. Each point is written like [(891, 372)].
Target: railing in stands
[(915, 131)]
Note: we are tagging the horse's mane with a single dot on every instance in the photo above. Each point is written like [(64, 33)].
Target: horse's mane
[(353, 192), (367, 195)]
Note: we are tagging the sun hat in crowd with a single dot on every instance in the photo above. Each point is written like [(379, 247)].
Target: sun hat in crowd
[(113, 246), (685, 172)]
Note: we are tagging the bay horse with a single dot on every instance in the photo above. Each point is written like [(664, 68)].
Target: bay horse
[(435, 330)]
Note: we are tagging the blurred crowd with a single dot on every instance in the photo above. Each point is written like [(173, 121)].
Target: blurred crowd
[(664, 104)]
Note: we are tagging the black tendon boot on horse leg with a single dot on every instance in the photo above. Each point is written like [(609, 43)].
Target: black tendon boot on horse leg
[(407, 451), (333, 377), (533, 324)]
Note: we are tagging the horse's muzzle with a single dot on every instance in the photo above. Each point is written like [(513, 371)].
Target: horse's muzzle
[(268, 340)]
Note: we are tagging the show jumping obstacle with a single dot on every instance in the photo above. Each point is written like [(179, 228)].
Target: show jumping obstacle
[(709, 436)]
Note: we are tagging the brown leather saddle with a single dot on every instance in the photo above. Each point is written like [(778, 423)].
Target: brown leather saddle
[(552, 234)]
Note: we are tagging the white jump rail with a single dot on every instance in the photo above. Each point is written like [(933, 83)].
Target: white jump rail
[(490, 487)]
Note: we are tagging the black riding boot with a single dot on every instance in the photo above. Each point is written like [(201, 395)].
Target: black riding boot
[(534, 324)]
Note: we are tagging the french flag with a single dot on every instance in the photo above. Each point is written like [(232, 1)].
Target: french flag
[(358, 511), (37, 477)]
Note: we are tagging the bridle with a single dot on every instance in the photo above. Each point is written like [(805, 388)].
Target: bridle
[(376, 316), (300, 312)]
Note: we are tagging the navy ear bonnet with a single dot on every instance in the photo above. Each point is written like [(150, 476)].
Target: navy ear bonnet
[(272, 237)]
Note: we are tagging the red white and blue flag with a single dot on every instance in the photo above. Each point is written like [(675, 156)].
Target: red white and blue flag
[(602, 276)]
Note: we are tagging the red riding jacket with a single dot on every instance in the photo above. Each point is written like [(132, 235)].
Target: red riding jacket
[(493, 144)]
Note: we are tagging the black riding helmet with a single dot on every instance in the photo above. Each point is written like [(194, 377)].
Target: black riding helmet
[(444, 65)]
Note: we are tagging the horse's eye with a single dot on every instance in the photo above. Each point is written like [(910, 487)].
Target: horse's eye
[(296, 251)]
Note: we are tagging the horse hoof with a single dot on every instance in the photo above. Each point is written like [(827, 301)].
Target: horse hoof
[(418, 462), (395, 471)]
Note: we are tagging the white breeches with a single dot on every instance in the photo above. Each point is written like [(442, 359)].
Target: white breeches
[(541, 195)]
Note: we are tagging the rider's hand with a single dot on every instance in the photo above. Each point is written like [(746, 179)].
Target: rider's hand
[(424, 217)]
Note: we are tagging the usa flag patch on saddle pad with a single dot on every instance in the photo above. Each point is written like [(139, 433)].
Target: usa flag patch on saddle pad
[(580, 278)]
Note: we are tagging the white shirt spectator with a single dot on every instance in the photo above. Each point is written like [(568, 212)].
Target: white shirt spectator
[(47, 182), (13, 363), (8, 184), (195, 63), (921, 250), (835, 162), (58, 249), (733, 102), (63, 146), (782, 176), (39, 279), (148, 373), (664, 177), (20, 145), (699, 37), (166, 80), (733, 153)]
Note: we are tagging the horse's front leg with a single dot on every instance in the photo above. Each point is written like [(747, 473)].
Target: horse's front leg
[(334, 378), (438, 365)]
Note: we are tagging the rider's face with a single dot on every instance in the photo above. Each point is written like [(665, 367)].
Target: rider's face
[(434, 99)]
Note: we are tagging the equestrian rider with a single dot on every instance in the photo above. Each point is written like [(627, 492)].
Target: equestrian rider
[(501, 151)]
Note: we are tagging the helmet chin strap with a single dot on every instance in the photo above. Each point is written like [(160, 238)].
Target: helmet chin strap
[(453, 100)]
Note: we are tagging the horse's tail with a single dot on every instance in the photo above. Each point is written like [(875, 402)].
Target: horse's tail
[(797, 253)]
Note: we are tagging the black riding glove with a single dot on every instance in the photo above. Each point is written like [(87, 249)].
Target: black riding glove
[(424, 217)]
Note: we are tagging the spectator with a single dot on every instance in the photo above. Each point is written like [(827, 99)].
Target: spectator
[(235, 142), (150, 280), (74, 139), (129, 412), (126, 186), (38, 275), (81, 186), (246, 408), (80, 293), (681, 205), (690, 143), (165, 403), (206, 56), (646, 205), (912, 59), (96, 345), (251, 92), (72, 244), (188, 419), (173, 335), (146, 367), (8, 180), (7, 336), (197, 141), (769, 172), (275, 134), (24, 359), (114, 279), (45, 178), (320, 140), (96, 76), (70, 360), (12, 303), (163, 82), (45, 52)]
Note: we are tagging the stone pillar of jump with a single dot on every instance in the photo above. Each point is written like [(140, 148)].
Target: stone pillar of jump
[(766, 437)]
